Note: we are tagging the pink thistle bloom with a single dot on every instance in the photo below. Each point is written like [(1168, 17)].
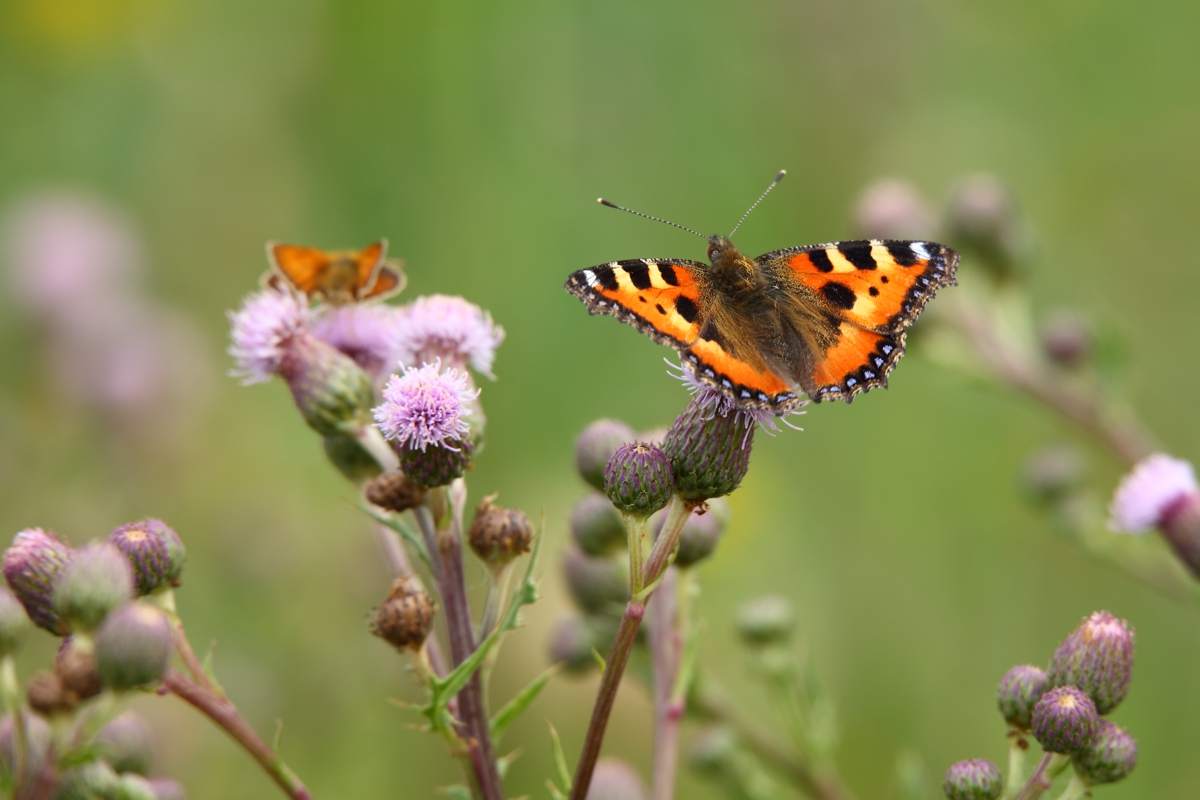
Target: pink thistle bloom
[(718, 403), (447, 328), (1145, 497), (425, 406), (366, 332), (262, 331)]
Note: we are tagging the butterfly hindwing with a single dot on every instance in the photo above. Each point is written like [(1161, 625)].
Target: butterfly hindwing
[(659, 297), (389, 280), (860, 360), (745, 384)]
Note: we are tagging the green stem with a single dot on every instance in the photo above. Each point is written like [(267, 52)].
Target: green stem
[(10, 687), (1043, 776), (636, 527), (373, 442), (1018, 745), (1075, 789)]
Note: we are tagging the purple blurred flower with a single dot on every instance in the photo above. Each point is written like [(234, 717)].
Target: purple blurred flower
[(263, 329), (1157, 485), (450, 329), (366, 332), (425, 406)]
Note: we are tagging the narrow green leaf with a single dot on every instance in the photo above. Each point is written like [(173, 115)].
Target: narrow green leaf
[(554, 791), (504, 762), (208, 668), (518, 705), (560, 759), (395, 523), (278, 735), (599, 660)]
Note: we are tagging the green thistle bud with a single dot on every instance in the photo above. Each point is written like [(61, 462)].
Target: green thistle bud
[(135, 787), (498, 535), (638, 479), (90, 781), (983, 219), (126, 743), (1018, 692), (438, 464), (614, 779), (709, 450), (1065, 720), (97, 580), (333, 393), (405, 618), (32, 567), (14, 622), (1109, 758), (132, 646), (596, 446), (574, 643), (1051, 474), (713, 750), (155, 552), (597, 526), (701, 532), (766, 620), (973, 780), (597, 583), (350, 458), (395, 492), (1097, 658)]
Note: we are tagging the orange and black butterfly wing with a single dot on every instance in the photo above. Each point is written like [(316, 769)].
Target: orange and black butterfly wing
[(302, 267), (367, 263), (870, 291), (663, 299), (389, 280)]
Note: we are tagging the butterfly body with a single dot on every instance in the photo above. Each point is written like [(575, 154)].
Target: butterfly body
[(824, 320), (338, 277)]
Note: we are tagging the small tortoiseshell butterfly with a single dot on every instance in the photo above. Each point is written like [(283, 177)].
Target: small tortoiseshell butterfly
[(827, 320), (336, 278)]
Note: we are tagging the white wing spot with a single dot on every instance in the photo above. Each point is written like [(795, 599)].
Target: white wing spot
[(590, 277), (919, 249)]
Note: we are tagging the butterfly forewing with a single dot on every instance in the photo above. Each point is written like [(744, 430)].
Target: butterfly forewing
[(659, 297)]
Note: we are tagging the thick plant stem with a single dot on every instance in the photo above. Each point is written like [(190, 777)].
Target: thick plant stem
[(226, 716), (666, 646), (1043, 776), (1018, 746), (668, 540)]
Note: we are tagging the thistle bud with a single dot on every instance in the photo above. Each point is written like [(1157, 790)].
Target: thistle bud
[(1065, 720), (1066, 339), (973, 780), (97, 580), (332, 392), (406, 616), (132, 647), (1019, 690), (14, 622), (38, 740), (1109, 758), (75, 667), (597, 526), (597, 583), (1098, 659), (135, 787), (701, 532), (95, 779), (638, 479), (167, 789), (350, 458), (614, 779), (982, 216), (45, 695), (892, 209), (709, 448), (125, 743), (395, 492), (437, 464), (498, 535), (155, 552), (597, 445), (766, 620), (1052, 473), (572, 645), (32, 567), (712, 750)]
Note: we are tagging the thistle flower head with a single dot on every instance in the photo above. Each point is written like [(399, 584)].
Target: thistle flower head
[(709, 448), (1098, 659), (98, 579), (1065, 720), (596, 445), (39, 738), (406, 616), (1109, 758), (127, 743), (597, 584), (426, 406), (1155, 487), (75, 667), (132, 646), (32, 567), (638, 479), (395, 492), (977, 779), (263, 329), (450, 329), (154, 550), (1018, 692), (572, 644), (498, 535), (597, 526), (366, 332)]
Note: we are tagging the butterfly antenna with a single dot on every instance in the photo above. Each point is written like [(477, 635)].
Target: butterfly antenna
[(778, 178), (610, 204)]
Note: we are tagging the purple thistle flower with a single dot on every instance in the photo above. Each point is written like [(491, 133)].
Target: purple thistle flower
[(447, 328), (425, 406), (262, 331), (366, 332), (1158, 485), (714, 402)]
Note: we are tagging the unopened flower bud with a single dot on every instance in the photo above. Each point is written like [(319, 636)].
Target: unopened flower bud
[(135, 787), (498, 535), (14, 622), (38, 739), (638, 479), (155, 552), (395, 492), (893, 209), (709, 448), (333, 394), (45, 695), (766, 620), (712, 750), (76, 670), (125, 743), (983, 217), (1065, 720), (1109, 758), (32, 567), (596, 445), (1018, 692), (132, 646), (97, 580), (973, 780), (701, 532), (614, 779), (167, 789), (597, 526), (95, 779), (438, 464), (350, 458), (406, 616), (597, 583), (1066, 339), (1052, 473), (1096, 658), (573, 645)]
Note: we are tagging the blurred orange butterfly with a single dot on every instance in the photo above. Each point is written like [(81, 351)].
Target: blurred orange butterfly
[(337, 278)]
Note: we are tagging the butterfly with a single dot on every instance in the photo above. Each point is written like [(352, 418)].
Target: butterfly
[(336, 278), (825, 320)]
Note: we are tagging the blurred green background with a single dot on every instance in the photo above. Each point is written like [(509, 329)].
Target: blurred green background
[(475, 136)]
